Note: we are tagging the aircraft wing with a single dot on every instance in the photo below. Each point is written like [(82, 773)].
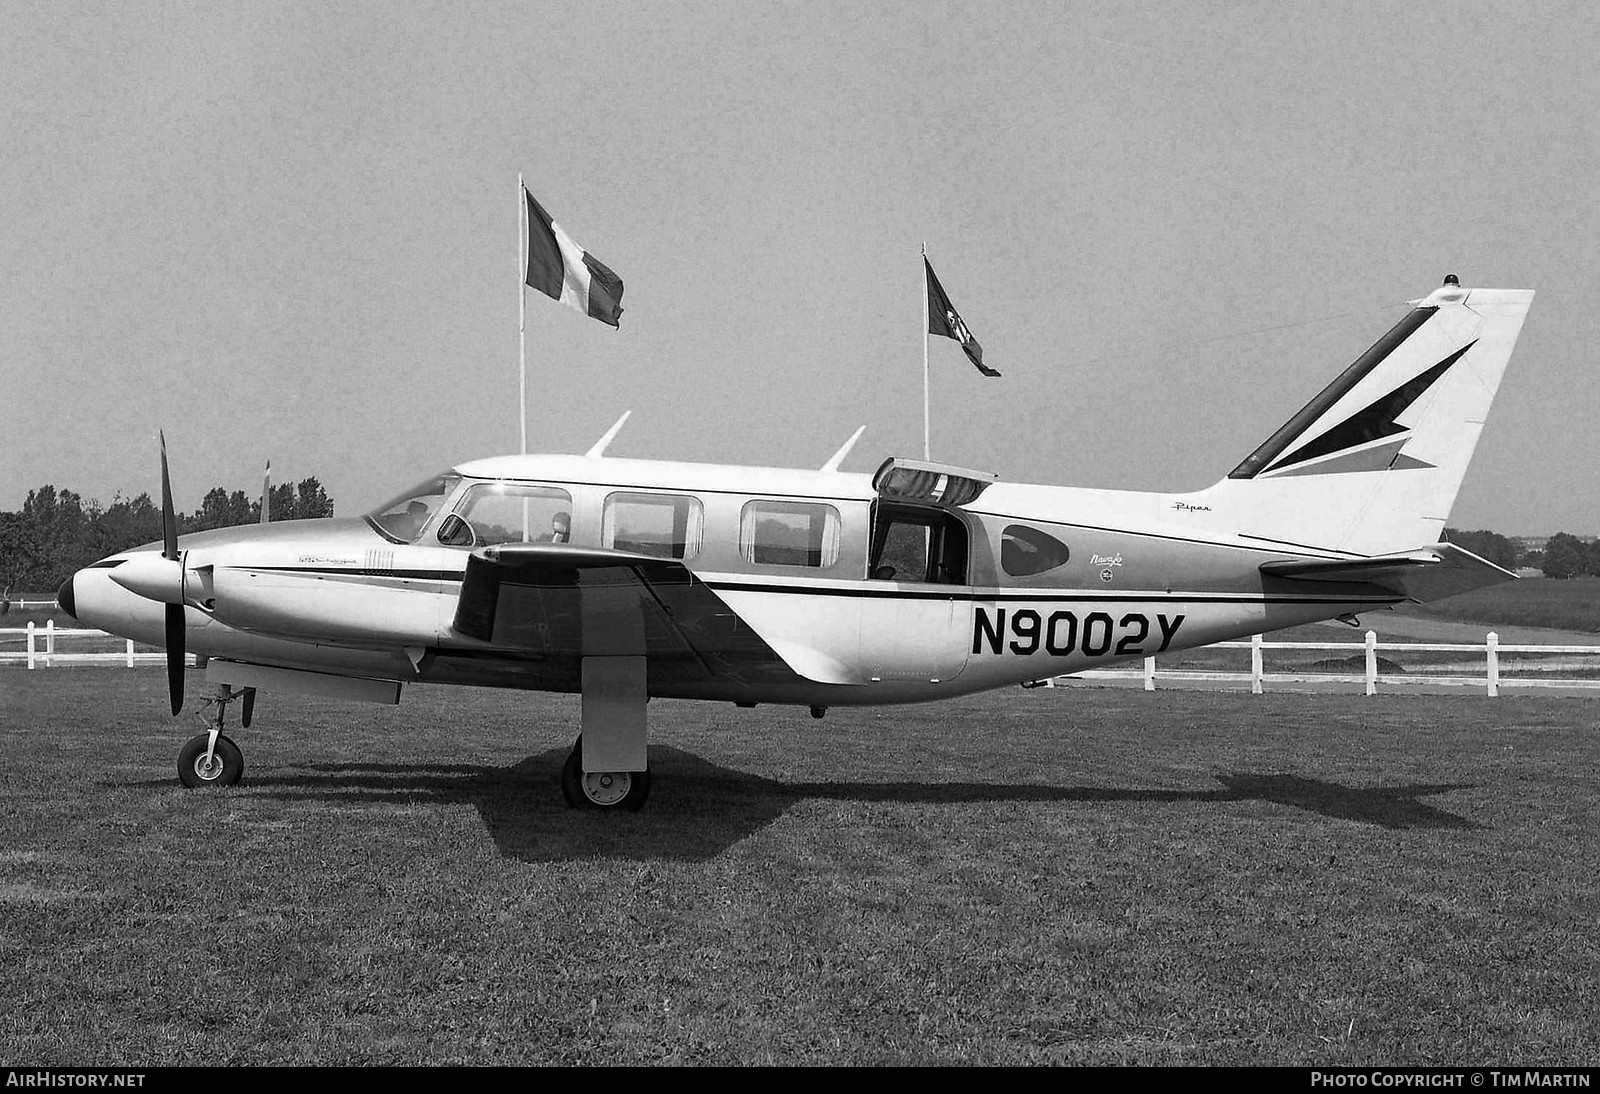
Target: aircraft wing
[(1428, 573), (561, 603)]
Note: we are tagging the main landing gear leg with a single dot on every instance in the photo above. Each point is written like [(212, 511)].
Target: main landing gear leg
[(209, 758), (609, 767)]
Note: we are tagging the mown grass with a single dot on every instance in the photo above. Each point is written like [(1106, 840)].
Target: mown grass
[(1569, 605), (1026, 877)]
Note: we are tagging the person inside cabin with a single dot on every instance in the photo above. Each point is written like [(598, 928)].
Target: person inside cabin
[(560, 529), (416, 517)]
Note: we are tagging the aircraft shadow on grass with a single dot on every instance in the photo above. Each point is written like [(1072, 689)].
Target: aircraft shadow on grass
[(702, 808)]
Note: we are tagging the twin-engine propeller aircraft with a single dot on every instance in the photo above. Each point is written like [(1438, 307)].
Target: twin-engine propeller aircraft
[(625, 579)]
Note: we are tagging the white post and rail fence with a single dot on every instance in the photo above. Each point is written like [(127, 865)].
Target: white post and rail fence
[(39, 648), (1567, 667), (1551, 666)]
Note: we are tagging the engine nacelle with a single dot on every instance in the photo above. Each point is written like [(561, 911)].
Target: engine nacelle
[(156, 577), (332, 607)]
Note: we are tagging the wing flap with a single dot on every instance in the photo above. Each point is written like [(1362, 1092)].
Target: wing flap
[(562, 602), (1428, 573)]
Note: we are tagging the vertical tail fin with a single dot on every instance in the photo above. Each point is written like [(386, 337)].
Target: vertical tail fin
[(1373, 463)]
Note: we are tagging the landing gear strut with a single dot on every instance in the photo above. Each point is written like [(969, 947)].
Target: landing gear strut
[(601, 789), (209, 758)]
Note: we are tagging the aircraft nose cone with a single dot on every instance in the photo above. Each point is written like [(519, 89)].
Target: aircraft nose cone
[(65, 598)]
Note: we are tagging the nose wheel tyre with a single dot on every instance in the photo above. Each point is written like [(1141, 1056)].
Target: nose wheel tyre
[(223, 769), (601, 789)]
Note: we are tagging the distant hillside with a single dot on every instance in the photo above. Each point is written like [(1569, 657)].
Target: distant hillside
[(1568, 605)]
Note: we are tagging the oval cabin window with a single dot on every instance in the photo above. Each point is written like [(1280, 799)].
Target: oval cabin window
[(1025, 551)]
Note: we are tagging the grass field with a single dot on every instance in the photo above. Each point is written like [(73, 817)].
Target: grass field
[(1570, 605), (1027, 877)]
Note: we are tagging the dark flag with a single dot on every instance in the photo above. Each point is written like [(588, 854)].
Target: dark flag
[(560, 268), (944, 319)]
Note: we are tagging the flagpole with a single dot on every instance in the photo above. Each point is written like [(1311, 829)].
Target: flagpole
[(522, 334), (926, 446), (522, 314)]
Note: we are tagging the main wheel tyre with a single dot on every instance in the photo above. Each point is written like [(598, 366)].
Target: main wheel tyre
[(227, 762), (602, 789)]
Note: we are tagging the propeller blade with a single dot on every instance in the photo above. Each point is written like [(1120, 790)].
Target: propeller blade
[(177, 644), (176, 652), (249, 707), (169, 521)]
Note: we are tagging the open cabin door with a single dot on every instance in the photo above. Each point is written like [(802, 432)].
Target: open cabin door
[(921, 627)]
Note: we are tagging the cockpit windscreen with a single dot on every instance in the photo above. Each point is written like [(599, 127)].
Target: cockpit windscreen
[(403, 517)]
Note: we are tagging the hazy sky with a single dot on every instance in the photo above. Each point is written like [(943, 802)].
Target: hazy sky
[(290, 231)]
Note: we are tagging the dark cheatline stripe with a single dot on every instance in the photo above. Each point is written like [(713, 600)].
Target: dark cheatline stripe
[(354, 572), (605, 291), (1376, 421), (545, 270), (1062, 596), (1286, 434)]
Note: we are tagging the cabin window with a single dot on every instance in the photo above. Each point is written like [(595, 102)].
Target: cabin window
[(663, 525), (1025, 551), (402, 518), (505, 512), (789, 533)]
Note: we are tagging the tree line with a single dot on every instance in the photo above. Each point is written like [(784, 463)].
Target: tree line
[(57, 532), (1564, 555)]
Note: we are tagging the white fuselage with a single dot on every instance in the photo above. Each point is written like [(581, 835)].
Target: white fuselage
[(1020, 583)]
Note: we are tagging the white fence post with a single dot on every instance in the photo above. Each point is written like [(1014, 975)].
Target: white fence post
[(1149, 674), (30, 643), (1492, 651), (1255, 664), (1372, 662), (130, 653), (49, 643)]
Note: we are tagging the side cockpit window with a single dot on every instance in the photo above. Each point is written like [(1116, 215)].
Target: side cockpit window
[(1026, 551), (504, 512)]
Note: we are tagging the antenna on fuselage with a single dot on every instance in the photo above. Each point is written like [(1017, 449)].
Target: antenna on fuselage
[(599, 448), (266, 492), (844, 450)]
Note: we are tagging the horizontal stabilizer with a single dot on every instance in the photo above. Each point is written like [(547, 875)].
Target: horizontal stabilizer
[(1427, 573)]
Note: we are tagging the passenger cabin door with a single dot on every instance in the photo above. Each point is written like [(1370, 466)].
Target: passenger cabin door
[(917, 622)]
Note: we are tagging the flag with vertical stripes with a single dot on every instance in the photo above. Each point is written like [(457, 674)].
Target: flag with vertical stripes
[(561, 269), (943, 319)]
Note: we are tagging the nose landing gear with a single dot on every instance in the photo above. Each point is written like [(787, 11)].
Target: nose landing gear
[(210, 758)]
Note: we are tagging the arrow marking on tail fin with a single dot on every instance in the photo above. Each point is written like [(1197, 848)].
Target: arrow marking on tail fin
[(1373, 423)]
